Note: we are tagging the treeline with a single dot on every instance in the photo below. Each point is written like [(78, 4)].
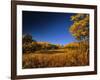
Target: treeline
[(79, 45), (29, 45)]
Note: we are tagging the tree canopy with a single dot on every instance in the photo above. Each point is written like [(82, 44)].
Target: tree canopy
[(80, 27), (27, 38)]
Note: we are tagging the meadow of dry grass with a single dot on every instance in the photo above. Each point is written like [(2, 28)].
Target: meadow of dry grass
[(64, 57)]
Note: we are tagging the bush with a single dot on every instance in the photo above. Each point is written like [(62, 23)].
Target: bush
[(27, 39)]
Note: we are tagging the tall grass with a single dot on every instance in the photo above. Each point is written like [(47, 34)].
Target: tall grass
[(61, 58)]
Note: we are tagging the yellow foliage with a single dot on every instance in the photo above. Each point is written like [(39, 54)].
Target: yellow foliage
[(80, 26)]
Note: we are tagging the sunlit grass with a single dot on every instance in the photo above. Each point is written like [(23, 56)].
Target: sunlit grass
[(56, 58)]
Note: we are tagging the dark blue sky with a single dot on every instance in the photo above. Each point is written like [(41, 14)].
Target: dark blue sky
[(48, 26)]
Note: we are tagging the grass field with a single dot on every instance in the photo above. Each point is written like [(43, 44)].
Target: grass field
[(64, 57)]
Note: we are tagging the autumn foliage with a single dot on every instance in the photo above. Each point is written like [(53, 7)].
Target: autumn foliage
[(80, 26), (45, 54)]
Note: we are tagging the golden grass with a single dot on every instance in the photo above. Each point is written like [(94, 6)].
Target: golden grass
[(56, 58)]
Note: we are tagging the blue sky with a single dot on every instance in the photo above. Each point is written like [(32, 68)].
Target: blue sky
[(48, 26)]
